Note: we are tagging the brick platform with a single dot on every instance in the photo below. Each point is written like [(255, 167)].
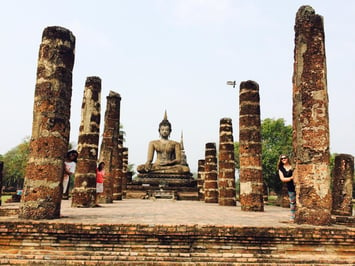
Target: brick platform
[(167, 232)]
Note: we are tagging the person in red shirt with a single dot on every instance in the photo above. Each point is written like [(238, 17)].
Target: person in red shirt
[(100, 175)]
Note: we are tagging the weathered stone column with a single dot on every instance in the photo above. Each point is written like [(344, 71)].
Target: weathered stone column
[(343, 175), (201, 180), (117, 182), (115, 171), (84, 192), (311, 121), (124, 169), (129, 177), (226, 163), (109, 141), (250, 174), (211, 185), (1, 168), (42, 193)]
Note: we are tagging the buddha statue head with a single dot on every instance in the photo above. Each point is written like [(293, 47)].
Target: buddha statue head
[(164, 127)]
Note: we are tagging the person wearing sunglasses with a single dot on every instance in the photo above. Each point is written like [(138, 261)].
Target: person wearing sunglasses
[(285, 174)]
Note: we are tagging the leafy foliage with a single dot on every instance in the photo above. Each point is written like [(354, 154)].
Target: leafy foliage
[(15, 162), (276, 139)]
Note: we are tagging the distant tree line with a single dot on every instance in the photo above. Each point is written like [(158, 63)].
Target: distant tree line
[(15, 162)]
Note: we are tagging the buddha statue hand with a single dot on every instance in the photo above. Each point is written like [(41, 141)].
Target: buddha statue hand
[(148, 166), (167, 163)]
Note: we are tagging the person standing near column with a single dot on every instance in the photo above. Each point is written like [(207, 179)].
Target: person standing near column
[(285, 173), (100, 175), (69, 169)]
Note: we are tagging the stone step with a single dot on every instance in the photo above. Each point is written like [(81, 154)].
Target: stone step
[(84, 258), (46, 243)]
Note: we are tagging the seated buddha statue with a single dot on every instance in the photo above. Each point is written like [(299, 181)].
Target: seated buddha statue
[(168, 154)]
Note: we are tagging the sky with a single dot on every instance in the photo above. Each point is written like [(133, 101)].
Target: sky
[(175, 56)]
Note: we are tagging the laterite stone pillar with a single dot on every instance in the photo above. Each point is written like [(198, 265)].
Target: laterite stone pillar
[(42, 195), (311, 121), (84, 192), (115, 172), (342, 193), (211, 185), (226, 162), (109, 144), (201, 180), (250, 173), (124, 169)]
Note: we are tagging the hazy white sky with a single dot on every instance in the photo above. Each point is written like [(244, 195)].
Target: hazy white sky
[(175, 55)]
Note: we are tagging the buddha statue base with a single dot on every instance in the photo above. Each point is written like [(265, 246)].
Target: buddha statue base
[(184, 186), (166, 180)]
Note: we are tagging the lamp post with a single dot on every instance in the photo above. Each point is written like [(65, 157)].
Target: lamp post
[(231, 83)]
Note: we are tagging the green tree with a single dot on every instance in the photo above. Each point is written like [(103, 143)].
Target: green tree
[(276, 138), (15, 162)]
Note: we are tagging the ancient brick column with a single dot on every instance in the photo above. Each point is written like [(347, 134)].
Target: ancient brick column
[(250, 173), (42, 193), (84, 192), (115, 172), (117, 181), (201, 180), (311, 121), (226, 164), (343, 175), (211, 185), (1, 168), (129, 177), (109, 141), (124, 169)]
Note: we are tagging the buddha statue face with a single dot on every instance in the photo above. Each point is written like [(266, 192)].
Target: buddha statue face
[(165, 129)]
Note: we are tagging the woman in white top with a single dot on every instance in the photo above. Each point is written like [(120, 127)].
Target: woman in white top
[(69, 169)]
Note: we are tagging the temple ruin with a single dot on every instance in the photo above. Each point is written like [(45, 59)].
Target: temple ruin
[(189, 233)]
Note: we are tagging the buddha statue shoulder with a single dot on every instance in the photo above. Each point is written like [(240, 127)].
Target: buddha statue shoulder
[(168, 154)]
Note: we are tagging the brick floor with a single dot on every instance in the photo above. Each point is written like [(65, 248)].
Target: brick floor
[(165, 211), (168, 212)]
